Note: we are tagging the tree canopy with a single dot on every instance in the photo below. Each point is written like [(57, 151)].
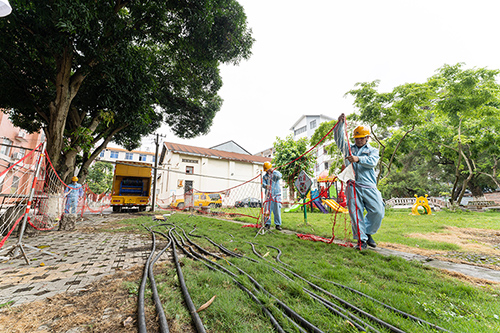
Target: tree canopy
[(451, 121), (91, 72), (100, 177), (287, 159)]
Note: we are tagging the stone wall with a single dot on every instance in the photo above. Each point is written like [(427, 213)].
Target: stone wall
[(494, 196)]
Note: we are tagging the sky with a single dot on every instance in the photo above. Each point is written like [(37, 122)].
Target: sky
[(307, 55)]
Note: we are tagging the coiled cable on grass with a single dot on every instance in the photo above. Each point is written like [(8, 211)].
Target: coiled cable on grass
[(291, 313), (148, 272), (187, 298), (402, 313)]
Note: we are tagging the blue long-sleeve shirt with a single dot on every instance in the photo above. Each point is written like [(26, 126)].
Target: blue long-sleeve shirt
[(75, 190), (275, 182), (368, 158)]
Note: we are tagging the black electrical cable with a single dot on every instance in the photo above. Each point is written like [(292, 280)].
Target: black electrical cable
[(342, 301), (332, 307), (141, 316), (241, 286), (329, 305), (187, 298), (159, 308), (162, 319), (286, 308), (223, 249), (400, 312), (357, 322)]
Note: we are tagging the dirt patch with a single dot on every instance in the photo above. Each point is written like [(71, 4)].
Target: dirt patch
[(479, 247), (106, 306), (109, 305)]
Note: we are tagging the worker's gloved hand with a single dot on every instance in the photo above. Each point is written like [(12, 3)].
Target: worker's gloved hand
[(352, 159)]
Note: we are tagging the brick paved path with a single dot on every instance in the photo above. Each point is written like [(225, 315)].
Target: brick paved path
[(81, 258)]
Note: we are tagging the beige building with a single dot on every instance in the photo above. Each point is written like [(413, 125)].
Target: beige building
[(183, 167)]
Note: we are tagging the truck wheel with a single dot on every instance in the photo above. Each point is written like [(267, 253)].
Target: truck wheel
[(142, 208), (212, 205), (180, 205), (117, 209)]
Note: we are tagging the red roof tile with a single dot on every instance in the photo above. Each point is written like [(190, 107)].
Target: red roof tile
[(214, 153)]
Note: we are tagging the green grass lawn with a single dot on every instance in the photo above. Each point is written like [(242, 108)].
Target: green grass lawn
[(409, 286)]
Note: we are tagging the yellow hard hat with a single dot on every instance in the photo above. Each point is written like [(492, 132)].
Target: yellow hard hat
[(267, 166), (74, 179), (361, 132)]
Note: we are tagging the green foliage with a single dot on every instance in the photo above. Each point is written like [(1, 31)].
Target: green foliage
[(287, 153), (88, 72), (100, 177), (452, 121)]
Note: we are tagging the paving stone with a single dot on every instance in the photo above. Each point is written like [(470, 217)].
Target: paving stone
[(81, 259)]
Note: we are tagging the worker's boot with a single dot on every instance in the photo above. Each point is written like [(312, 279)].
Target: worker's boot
[(370, 241)]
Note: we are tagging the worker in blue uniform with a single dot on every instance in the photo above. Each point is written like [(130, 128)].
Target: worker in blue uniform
[(364, 159), (73, 192), (271, 184)]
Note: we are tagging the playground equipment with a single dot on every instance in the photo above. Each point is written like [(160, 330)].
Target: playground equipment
[(335, 206), (320, 206), (421, 202), (294, 208)]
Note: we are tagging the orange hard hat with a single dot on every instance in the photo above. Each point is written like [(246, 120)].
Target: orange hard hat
[(74, 179), (267, 166), (361, 132)]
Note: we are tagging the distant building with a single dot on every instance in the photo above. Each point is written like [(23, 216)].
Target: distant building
[(232, 147), (113, 154), (269, 152), (15, 143), (305, 127)]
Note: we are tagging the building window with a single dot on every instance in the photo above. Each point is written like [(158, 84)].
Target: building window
[(5, 148), (142, 158), (20, 154), (300, 130), (312, 124), (114, 154), (101, 154), (129, 156), (153, 158), (326, 165), (189, 161), (189, 170), (15, 185)]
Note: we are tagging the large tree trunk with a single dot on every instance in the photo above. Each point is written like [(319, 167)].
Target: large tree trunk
[(66, 86)]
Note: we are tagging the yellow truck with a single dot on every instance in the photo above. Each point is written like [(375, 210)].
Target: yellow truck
[(131, 185)]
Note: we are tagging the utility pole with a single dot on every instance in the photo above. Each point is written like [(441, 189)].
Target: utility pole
[(157, 142)]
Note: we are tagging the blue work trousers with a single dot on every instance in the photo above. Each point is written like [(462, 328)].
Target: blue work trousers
[(275, 209), (368, 198), (71, 205)]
